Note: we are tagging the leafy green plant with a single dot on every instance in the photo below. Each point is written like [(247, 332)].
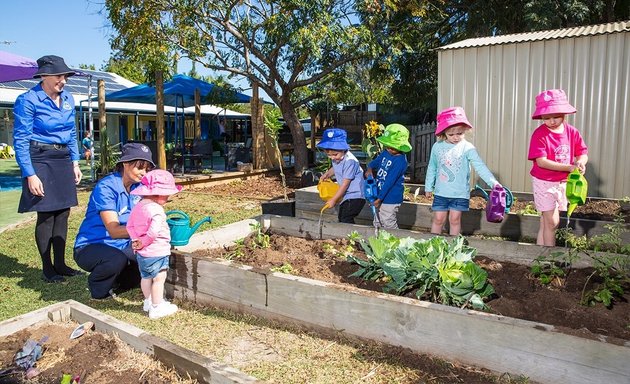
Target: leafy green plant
[(439, 270), (608, 254), (354, 237), (273, 125), (259, 239), (529, 209), (553, 268), (284, 268), (237, 251), (369, 145)]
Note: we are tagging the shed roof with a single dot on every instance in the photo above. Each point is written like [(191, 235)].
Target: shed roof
[(589, 30)]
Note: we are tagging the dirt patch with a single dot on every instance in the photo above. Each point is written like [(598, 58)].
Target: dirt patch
[(518, 294), (95, 357), (265, 187)]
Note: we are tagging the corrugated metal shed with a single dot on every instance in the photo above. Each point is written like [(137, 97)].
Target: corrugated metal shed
[(496, 80)]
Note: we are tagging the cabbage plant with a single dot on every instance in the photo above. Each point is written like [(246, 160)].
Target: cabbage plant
[(437, 269)]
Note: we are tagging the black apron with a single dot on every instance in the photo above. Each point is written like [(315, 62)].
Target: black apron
[(54, 168)]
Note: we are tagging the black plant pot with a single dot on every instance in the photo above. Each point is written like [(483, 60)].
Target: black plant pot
[(279, 207)]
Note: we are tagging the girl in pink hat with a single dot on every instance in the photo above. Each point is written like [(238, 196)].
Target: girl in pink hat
[(448, 173), (555, 149), (151, 239)]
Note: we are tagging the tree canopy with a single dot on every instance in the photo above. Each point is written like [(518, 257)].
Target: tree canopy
[(282, 46)]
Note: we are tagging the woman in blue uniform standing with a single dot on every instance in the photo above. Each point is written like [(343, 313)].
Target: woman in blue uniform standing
[(46, 149), (102, 246)]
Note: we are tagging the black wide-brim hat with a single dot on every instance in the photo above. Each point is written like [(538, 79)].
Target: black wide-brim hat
[(51, 65), (135, 151)]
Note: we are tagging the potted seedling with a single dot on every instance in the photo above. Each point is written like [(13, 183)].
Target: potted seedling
[(285, 206)]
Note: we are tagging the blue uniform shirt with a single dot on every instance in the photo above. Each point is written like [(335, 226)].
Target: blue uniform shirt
[(349, 168), (108, 195), (390, 176), (38, 118)]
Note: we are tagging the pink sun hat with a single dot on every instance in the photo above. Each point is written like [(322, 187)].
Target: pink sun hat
[(157, 183), (551, 102), (449, 117)]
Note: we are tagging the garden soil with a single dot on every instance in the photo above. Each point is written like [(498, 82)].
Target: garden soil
[(95, 357), (518, 294)]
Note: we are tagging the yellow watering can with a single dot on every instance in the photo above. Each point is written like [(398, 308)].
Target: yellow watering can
[(577, 187), (327, 190)]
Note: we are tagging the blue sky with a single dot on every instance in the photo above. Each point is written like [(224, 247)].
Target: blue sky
[(72, 29)]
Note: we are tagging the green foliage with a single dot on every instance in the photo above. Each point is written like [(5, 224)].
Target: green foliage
[(553, 268), (284, 268), (259, 239), (237, 251), (529, 209), (437, 269), (273, 125), (608, 255)]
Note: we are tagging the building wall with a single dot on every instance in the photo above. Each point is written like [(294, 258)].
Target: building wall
[(497, 85)]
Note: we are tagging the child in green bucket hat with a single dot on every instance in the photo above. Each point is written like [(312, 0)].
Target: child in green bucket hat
[(388, 169)]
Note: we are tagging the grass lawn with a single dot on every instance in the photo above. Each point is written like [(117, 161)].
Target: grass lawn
[(262, 348), (9, 199)]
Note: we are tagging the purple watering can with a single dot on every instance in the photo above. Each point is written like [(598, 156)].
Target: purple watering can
[(499, 202)]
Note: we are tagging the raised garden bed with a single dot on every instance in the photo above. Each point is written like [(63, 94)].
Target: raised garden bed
[(417, 216), (536, 350), (92, 360)]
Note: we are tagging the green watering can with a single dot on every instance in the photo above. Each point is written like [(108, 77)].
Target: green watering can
[(577, 187), (179, 224)]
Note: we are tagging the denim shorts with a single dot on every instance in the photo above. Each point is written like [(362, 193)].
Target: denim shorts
[(450, 204), (151, 266)]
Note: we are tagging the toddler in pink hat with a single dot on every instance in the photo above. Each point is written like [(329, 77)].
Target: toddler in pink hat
[(448, 173), (555, 149), (151, 237)]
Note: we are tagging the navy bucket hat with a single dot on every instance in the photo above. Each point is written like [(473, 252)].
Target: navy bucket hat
[(136, 151), (51, 65), (335, 139)]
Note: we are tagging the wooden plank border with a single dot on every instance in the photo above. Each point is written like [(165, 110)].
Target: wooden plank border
[(499, 343), (183, 360)]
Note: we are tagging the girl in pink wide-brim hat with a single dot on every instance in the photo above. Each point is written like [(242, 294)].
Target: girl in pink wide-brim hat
[(151, 239), (555, 149)]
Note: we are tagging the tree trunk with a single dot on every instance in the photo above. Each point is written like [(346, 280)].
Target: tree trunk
[(299, 140), (265, 155)]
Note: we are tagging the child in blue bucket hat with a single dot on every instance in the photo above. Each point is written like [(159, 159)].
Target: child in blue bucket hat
[(390, 166), (347, 172)]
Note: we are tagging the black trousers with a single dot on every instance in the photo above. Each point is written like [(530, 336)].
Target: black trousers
[(350, 209), (109, 268)]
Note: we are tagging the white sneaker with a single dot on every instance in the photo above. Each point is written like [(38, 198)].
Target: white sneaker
[(163, 309), (146, 305)]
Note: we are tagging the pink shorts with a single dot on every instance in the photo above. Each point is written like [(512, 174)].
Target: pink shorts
[(549, 195)]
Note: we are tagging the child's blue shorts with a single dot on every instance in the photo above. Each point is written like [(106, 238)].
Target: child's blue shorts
[(151, 266), (450, 204)]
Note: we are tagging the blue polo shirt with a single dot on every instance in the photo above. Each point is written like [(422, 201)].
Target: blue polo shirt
[(349, 168), (38, 118), (108, 195)]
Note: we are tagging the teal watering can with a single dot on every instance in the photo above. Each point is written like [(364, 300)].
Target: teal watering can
[(179, 223)]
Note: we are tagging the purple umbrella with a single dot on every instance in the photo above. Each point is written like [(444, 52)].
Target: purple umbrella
[(14, 67)]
